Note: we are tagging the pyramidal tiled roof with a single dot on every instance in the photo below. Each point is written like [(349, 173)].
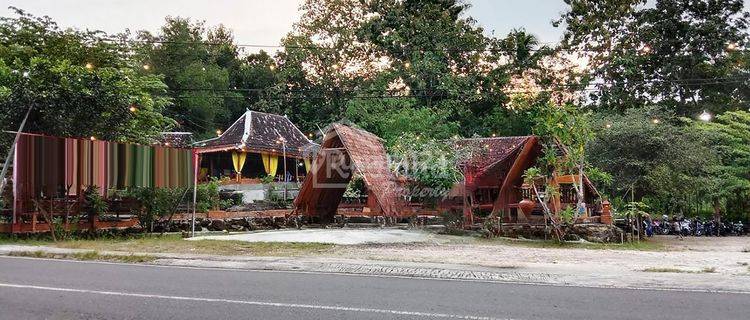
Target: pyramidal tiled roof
[(261, 132)]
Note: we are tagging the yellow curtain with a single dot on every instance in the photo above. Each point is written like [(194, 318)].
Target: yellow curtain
[(270, 163), (308, 164), (238, 159)]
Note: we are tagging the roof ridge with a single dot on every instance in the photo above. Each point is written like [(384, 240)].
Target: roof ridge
[(268, 113), (496, 138), (360, 130)]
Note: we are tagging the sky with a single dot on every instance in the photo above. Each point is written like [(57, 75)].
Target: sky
[(263, 22)]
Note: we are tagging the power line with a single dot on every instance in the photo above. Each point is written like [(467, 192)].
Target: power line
[(544, 47)]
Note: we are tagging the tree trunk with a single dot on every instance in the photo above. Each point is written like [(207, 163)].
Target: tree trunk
[(555, 224), (717, 216)]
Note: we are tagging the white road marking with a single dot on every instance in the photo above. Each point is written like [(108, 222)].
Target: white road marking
[(253, 303), (526, 283)]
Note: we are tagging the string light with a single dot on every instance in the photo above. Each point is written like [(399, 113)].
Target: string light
[(705, 116), (655, 121), (407, 65), (146, 67), (218, 132), (732, 46), (93, 138), (25, 74), (89, 65), (494, 135), (166, 144), (272, 67), (608, 125), (645, 49), (133, 108)]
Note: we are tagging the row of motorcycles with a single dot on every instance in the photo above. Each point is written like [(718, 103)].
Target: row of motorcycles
[(693, 227)]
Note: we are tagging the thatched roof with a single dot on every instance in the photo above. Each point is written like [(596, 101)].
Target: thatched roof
[(322, 192)]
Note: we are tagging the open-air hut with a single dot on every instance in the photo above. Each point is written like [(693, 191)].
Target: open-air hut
[(494, 182), (255, 147), (344, 153)]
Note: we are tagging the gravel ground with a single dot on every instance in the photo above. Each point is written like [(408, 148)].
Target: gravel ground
[(333, 236)]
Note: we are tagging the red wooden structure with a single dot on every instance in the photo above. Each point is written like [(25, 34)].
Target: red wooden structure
[(345, 151)]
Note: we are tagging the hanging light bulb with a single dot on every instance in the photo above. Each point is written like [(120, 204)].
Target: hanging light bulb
[(89, 65), (655, 121), (705, 116), (218, 132), (608, 125), (133, 108), (92, 138), (646, 49), (146, 67), (407, 65)]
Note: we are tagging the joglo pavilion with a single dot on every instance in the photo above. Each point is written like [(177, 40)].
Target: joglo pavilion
[(254, 148)]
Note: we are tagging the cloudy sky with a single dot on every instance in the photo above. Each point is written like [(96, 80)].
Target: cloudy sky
[(262, 21)]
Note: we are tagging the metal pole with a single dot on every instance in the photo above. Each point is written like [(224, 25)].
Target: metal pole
[(285, 182), (12, 150), (195, 192)]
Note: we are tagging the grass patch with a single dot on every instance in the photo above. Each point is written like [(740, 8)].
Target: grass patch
[(676, 270), (174, 243), (85, 256), (638, 246)]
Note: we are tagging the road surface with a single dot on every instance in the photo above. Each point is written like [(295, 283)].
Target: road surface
[(56, 289)]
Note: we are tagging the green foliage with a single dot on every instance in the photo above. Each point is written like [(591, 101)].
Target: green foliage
[(93, 202), (665, 164), (156, 203), (208, 197), (659, 49), (356, 188), (729, 140), (267, 179), (567, 214), (392, 118), (429, 165), (635, 209), (45, 67)]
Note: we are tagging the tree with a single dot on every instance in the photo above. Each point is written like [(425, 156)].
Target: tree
[(729, 183), (653, 156), (679, 54), (391, 119), (81, 84), (196, 65)]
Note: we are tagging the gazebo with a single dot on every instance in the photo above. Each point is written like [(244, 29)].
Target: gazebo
[(257, 146)]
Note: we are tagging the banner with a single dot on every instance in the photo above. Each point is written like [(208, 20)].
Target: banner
[(50, 165)]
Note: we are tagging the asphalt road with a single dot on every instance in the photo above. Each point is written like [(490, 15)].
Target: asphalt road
[(54, 289)]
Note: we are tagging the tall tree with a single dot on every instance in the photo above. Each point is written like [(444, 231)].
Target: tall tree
[(195, 63), (676, 53), (80, 83)]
